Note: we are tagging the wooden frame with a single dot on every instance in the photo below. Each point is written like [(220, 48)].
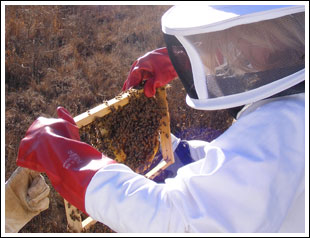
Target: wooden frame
[(74, 219)]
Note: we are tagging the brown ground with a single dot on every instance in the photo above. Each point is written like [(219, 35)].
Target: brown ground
[(77, 57)]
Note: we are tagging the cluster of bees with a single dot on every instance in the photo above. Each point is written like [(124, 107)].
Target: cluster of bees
[(128, 134)]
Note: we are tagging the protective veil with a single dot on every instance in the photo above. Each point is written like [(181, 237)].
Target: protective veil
[(229, 56)]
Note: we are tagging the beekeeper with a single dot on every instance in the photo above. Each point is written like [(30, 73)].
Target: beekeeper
[(249, 179), (26, 195)]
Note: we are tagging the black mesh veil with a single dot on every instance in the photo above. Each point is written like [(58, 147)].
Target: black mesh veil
[(181, 64)]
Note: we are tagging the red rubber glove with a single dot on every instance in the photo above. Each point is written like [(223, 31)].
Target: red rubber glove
[(53, 146), (155, 67)]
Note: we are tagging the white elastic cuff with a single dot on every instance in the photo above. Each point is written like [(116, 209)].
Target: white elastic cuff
[(174, 141)]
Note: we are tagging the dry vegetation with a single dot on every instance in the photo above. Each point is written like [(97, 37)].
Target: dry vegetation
[(77, 57)]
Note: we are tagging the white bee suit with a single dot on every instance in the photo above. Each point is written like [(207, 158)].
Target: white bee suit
[(249, 179)]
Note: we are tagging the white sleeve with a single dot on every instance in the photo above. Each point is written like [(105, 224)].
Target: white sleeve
[(246, 181)]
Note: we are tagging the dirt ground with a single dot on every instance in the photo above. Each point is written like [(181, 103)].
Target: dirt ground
[(77, 57)]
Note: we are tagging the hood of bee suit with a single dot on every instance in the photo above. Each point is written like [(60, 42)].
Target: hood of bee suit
[(229, 56)]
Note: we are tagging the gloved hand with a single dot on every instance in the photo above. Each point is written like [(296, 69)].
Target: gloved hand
[(155, 67), (26, 195), (53, 146)]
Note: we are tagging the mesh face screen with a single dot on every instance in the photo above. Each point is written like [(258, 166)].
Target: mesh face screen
[(220, 85)]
